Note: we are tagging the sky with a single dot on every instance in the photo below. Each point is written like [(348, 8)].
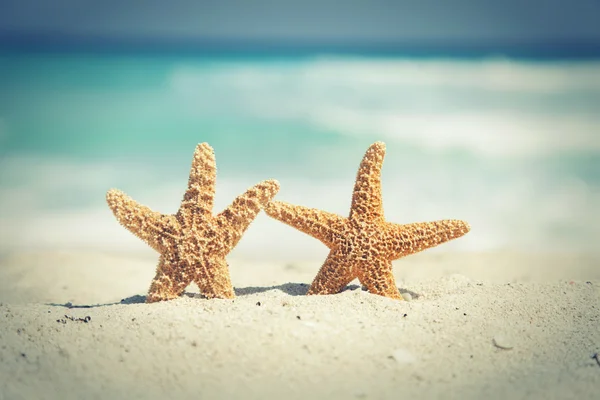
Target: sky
[(348, 20)]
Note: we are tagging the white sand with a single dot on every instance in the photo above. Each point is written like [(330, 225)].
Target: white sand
[(351, 345)]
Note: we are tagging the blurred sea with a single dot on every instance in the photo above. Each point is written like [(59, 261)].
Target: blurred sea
[(513, 147)]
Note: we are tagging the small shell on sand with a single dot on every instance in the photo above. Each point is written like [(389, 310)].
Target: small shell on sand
[(403, 356), (502, 342), (406, 296)]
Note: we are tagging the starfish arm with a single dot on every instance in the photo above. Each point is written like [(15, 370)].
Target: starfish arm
[(212, 278), (378, 278), (170, 281), (158, 230), (322, 225), (199, 196), (366, 198), (236, 218), (333, 276), (412, 238)]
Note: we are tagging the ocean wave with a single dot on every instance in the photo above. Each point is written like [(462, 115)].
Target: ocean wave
[(482, 133), (490, 108), (490, 74)]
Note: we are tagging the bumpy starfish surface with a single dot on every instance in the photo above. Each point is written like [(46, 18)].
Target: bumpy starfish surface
[(193, 243), (364, 245)]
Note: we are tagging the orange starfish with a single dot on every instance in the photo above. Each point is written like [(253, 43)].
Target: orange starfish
[(364, 245), (193, 243)]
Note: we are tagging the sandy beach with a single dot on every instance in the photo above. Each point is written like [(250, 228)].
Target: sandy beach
[(129, 129), (495, 325)]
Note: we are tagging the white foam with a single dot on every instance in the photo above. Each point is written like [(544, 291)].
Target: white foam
[(484, 133), (495, 74), (508, 107), (491, 74)]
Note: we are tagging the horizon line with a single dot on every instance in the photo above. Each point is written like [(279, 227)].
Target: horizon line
[(59, 42)]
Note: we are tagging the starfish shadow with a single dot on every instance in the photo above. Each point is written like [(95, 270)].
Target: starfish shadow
[(292, 289), (297, 289), (70, 305), (135, 299)]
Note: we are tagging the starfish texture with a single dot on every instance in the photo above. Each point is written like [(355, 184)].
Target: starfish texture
[(193, 243), (364, 245)]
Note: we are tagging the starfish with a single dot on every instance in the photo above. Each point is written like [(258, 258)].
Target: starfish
[(364, 245), (193, 243)]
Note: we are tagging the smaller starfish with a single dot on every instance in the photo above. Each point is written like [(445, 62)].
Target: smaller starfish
[(193, 243), (364, 245)]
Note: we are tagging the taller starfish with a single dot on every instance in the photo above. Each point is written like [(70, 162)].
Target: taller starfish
[(193, 243), (364, 245)]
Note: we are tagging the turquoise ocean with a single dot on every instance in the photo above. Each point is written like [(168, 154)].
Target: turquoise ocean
[(512, 146)]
